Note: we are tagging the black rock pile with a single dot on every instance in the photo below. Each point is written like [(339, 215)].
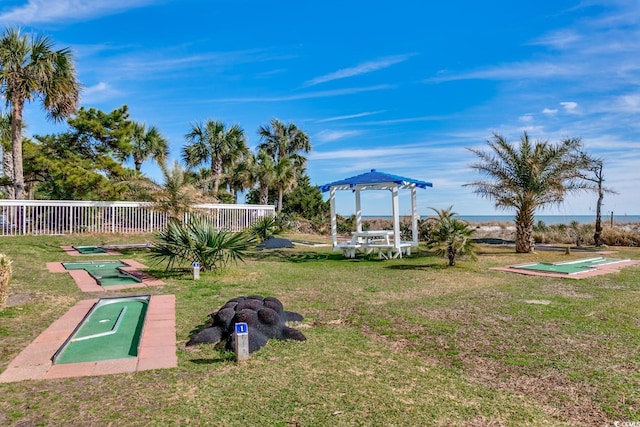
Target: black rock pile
[(265, 318)]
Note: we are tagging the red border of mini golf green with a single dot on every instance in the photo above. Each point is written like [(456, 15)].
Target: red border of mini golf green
[(597, 270), (157, 346), (86, 283)]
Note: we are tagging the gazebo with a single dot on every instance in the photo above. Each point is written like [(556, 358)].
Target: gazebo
[(375, 180)]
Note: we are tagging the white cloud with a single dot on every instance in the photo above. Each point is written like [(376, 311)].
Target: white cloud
[(526, 118), (364, 68), (98, 92), (334, 135), (40, 11), (629, 103), (550, 111), (414, 152), (407, 120), (100, 87), (559, 39), (515, 71), (570, 107), (350, 116), (308, 95)]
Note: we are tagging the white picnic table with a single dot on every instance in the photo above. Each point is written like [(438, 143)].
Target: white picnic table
[(369, 241)]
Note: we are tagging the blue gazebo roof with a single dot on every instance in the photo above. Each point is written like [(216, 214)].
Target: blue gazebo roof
[(374, 180)]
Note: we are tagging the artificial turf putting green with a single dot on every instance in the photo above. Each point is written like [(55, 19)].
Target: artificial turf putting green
[(570, 267), (106, 273), (89, 250), (111, 330)]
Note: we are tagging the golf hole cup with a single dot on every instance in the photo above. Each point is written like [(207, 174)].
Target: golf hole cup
[(196, 270)]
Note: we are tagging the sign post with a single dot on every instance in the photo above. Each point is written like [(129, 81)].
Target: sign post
[(242, 342), (196, 271)]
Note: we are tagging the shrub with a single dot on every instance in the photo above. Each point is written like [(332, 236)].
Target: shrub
[(540, 226), (616, 237), (405, 231), (265, 227), (5, 277), (197, 240), (426, 228), (451, 237), (345, 225)]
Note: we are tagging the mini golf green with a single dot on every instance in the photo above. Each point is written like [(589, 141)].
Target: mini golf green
[(106, 273), (110, 330), (568, 267), (89, 250)]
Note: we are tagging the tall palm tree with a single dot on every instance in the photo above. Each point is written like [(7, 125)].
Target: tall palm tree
[(265, 175), (30, 69), (527, 177), (451, 237), (213, 142), (284, 141), (241, 175), (285, 178), (148, 144), (202, 180)]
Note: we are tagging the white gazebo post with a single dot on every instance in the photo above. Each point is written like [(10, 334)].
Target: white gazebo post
[(414, 217), (358, 211), (396, 217), (334, 223)]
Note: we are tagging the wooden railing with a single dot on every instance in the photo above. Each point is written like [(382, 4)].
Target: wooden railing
[(54, 217)]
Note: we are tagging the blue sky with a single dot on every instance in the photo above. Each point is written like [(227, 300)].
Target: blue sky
[(402, 87)]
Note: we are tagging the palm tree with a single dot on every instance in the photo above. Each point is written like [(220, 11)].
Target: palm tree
[(241, 175), (175, 195), (31, 69), (527, 177), (285, 179), (264, 174), (451, 237), (146, 144), (285, 141), (212, 142)]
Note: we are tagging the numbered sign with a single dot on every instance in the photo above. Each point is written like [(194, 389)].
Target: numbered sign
[(241, 342), (196, 270), (241, 329)]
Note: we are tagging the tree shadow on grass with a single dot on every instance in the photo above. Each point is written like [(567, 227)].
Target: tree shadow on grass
[(175, 273), (295, 256), (221, 356), (316, 256), (419, 267)]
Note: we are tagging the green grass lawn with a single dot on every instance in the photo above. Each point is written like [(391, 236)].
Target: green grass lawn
[(402, 342)]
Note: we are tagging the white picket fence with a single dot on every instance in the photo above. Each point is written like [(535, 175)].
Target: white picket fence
[(54, 217)]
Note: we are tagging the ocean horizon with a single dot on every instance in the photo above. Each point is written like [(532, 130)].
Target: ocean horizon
[(547, 219)]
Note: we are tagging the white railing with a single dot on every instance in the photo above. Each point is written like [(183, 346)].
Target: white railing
[(52, 217)]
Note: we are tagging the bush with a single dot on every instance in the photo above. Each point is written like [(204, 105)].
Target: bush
[(345, 225), (616, 237), (197, 240), (265, 227), (426, 228), (5, 277)]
